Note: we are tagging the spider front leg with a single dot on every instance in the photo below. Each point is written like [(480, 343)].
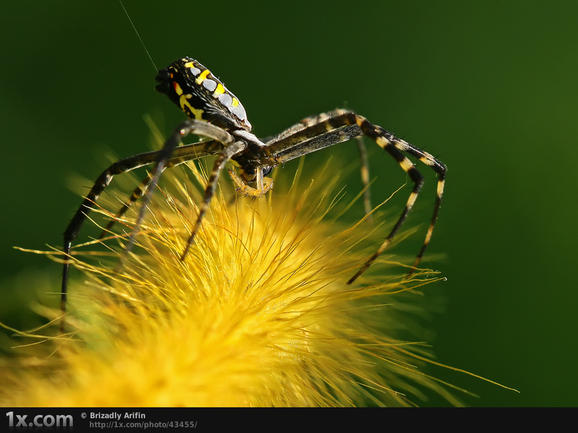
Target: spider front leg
[(395, 147), (312, 123), (364, 162), (190, 126), (440, 169), (139, 191), (384, 140), (327, 129), (218, 166), (71, 232), (161, 158)]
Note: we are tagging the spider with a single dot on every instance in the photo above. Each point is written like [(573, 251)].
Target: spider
[(216, 115)]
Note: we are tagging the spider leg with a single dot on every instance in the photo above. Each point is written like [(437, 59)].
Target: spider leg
[(322, 119), (365, 177), (137, 193), (340, 125), (123, 166), (189, 126), (440, 169), (227, 153), (385, 141), (184, 153)]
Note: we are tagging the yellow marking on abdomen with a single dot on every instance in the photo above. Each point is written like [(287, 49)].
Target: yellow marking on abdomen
[(197, 112), (202, 77), (219, 90), (235, 102)]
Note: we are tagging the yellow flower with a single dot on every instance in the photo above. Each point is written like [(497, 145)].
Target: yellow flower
[(259, 313)]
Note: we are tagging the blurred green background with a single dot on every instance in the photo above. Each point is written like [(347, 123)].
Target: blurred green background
[(489, 87)]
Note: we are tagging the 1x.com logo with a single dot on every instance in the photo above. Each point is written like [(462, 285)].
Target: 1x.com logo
[(15, 420)]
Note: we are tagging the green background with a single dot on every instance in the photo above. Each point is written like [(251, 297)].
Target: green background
[(489, 87)]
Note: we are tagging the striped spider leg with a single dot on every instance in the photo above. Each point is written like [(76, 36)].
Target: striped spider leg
[(144, 185), (313, 120), (328, 129), (365, 177), (218, 143)]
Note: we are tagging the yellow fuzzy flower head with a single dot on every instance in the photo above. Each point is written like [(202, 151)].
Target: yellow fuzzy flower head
[(258, 314)]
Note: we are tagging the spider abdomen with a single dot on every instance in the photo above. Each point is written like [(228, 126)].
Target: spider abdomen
[(201, 95)]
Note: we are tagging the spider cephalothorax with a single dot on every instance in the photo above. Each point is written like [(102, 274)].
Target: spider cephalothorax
[(218, 118)]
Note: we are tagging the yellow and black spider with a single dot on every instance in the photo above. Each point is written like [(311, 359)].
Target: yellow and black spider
[(215, 114)]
